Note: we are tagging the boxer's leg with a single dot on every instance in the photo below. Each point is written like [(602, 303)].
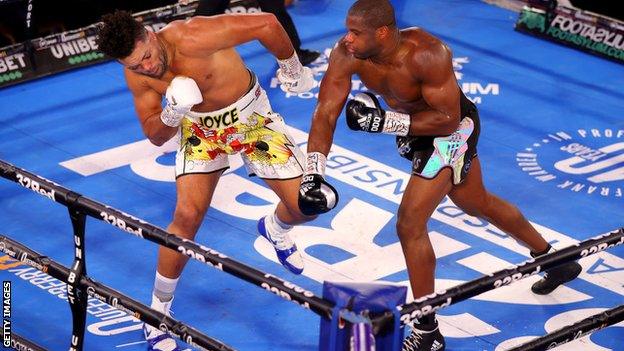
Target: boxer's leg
[(472, 197), (279, 162), (194, 193), (420, 199)]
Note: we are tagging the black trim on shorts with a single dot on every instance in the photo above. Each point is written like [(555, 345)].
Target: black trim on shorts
[(216, 170), (252, 84), (254, 175), (250, 102), (252, 81)]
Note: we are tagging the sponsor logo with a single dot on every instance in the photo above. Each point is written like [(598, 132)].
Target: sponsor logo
[(29, 9), (515, 277), (116, 221), (12, 62), (587, 161), (6, 250), (425, 310), (533, 20), (164, 13), (589, 31), (24, 258), (47, 42), (376, 123), (73, 47), (576, 335), (601, 247), (114, 302), (34, 185), (16, 345), (91, 292), (296, 288), (71, 36), (201, 257), (285, 295), (436, 345), (575, 28)]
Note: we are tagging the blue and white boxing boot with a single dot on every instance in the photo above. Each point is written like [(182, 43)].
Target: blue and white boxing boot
[(158, 340), (285, 248)]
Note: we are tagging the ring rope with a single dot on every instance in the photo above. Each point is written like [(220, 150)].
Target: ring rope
[(110, 296), (80, 206), (20, 343), (429, 304), (574, 331), (145, 230)]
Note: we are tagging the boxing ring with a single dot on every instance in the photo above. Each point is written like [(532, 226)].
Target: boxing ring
[(86, 138)]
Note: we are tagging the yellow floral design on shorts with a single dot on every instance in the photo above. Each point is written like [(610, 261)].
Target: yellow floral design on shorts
[(260, 143)]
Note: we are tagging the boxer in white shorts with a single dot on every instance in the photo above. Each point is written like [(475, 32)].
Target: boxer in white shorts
[(216, 107)]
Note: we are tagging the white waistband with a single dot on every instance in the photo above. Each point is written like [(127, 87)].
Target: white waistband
[(242, 105)]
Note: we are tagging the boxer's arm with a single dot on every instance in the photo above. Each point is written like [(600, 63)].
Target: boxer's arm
[(440, 91), (147, 103), (203, 35), (335, 88), (316, 195)]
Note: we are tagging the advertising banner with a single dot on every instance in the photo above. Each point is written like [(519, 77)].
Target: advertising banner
[(77, 48), (588, 32)]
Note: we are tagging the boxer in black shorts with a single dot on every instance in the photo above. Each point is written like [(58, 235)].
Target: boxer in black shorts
[(421, 151), (437, 129)]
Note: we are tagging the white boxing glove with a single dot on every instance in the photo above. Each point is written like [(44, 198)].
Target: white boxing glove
[(294, 77), (182, 94)]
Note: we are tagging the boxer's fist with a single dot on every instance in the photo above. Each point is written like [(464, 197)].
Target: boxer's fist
[(365, 113), (302, 82), (316, 196), (294, 77), (182, 94)]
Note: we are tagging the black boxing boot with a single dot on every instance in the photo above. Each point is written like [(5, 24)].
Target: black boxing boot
[(425, 336), (555, 276)]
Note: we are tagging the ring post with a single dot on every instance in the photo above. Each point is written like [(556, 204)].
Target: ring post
[(354, 302), (76, 295)]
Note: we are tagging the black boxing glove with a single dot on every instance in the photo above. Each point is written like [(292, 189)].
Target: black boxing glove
[(316, 196), (364, 113)]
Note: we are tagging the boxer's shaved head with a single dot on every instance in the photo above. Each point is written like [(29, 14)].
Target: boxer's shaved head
[(371, 27), (375, 13)]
